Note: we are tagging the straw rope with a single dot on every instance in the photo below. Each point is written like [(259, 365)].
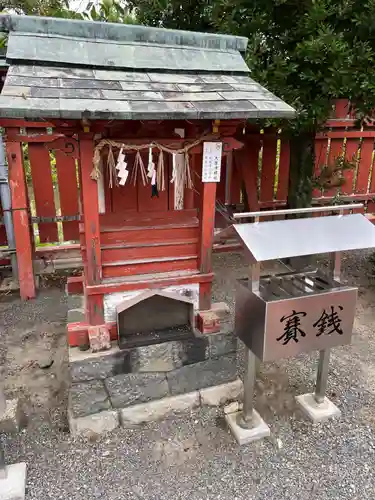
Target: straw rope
[(183, 177)]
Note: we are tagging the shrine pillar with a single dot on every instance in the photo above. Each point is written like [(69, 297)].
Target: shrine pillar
[(90, 208), (21, 219)]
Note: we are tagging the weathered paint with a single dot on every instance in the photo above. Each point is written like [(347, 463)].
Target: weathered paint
[(40, 164), (151, 283), (23, 236), (90, 211), (207, 224)]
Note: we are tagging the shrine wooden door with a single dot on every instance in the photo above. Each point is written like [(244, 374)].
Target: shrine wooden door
[(136, 197)]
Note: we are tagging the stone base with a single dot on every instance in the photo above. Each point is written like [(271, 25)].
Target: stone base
[(246, 436), (222, 394), (133, 415), (317, 412), (155, 410), (13, 487), (10, 420), (165, 357), (91, 425), (128, 382)]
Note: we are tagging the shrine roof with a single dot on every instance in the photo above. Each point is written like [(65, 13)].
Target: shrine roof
[(61, 68)]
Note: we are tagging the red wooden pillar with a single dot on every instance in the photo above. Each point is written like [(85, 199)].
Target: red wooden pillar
[(90, 208), (22, 229), (207, 224)]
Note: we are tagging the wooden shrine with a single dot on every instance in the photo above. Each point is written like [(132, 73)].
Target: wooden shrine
[(139, 110)]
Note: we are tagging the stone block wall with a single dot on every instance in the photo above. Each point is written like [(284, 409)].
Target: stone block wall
[(117, 379)]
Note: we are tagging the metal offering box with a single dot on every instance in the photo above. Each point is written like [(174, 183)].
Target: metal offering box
[(283, 315)]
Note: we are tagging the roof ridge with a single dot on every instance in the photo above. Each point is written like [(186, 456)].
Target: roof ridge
[(120, 32), (123, 42)]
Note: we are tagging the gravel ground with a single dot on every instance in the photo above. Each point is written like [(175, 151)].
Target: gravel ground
[(193, 456)]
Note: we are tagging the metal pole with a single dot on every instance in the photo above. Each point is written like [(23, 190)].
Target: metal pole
[(6, 203), (323, 366), (246, 420), (287, 211), (322, 376)]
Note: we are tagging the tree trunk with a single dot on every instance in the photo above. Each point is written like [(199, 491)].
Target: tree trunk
[(302, 159)]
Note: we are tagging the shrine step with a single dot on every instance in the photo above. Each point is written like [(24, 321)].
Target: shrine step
[(138, 219), (149, 266), (118, 252), (149, 234)]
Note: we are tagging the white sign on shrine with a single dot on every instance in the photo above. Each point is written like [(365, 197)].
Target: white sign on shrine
[(211, 167)]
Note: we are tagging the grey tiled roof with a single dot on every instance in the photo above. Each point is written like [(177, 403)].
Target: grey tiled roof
[(145, 74)]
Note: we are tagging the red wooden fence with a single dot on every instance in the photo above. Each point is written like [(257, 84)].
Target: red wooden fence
[(264, 167)]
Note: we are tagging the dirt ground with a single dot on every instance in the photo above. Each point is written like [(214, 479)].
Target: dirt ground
[(33, 356)]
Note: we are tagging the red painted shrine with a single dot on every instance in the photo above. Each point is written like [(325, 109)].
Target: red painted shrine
[(135, 107)]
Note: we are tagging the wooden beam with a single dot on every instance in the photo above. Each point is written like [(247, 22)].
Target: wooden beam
[(22, 229), (207, 224), (94, 309), (15, 123), (125, 286), (247, 164), (90, 207), (346, 134), (30, 138)]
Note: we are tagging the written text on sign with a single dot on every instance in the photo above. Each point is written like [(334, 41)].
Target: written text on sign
[(278, 329)]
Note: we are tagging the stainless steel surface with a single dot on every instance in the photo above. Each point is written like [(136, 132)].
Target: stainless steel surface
[(308, 236), (288, 285), (322, 376), (254, 277), (336, 266), (246, 420), (294, 314), (291, 211)]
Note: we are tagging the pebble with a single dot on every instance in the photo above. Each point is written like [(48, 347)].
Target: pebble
[(331, 461)]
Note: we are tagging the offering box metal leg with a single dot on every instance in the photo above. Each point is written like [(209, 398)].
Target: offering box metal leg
[(322, 376), (317, 407), (247, 426)]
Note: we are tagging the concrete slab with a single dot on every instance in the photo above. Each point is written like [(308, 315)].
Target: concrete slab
[(10, 420), (317, 412), (155, 410), (246, 436), (100, 423), (14, 485), (8, 284), (219, 395)]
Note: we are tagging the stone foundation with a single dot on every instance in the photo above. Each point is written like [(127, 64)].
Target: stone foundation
[(120, 385), (114, 380)]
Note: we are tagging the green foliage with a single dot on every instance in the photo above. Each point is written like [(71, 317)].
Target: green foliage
[(110, 11), (195, 15), (115, 11), (332, 175), (308, 52), (34, 7)]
